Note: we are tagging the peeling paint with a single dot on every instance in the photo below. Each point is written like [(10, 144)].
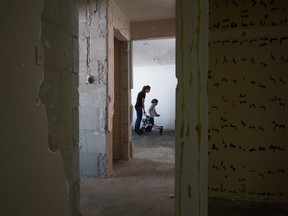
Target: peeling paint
[(55, 91), (192, 113)]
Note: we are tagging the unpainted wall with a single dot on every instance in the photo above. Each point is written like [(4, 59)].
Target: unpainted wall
[(58, 90), (119, 28), (98, 20), (119, 22), (38, 140), (247, 89), (191, 161), (93, 36)]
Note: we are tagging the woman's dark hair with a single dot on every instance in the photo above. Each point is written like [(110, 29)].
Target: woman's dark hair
[(145, 87), (154, 100)]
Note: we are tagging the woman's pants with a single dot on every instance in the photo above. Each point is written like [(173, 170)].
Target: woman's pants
[(139, 113)]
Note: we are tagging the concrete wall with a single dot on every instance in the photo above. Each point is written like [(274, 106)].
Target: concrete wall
[(247, 89), (39, 144), (98, 20), (93, 39)]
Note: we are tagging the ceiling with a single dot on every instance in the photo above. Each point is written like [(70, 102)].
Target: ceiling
[(150, 52), (147, 10), (154, 52)]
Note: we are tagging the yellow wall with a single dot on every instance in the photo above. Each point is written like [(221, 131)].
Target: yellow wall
[(247, 89)]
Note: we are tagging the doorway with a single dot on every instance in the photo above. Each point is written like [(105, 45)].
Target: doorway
[(153, 63), (144, 185), (121, 130), (117, 148)]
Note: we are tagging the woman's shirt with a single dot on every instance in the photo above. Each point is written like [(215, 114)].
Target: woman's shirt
[(140, 96)]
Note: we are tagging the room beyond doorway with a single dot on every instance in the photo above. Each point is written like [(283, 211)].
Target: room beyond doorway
[(153, 63)]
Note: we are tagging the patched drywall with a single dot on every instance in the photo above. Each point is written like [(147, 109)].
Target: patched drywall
[(38, 152), (58, 90), (247, 88)]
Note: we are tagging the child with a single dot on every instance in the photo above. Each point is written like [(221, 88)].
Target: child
[(152, 113)]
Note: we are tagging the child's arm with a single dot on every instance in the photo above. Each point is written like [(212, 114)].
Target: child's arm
[(156, 114)]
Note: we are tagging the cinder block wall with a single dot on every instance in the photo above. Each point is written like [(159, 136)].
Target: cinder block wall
[(93, 37), (98, 21), (248, 103)]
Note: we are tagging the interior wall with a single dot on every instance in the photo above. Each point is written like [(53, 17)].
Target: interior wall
[(93, 57), (38, 141), (163, 91), (118, 22), (98, 20), (118, 27), (58, 90), (191, 145), (247, 86), (117, 130)]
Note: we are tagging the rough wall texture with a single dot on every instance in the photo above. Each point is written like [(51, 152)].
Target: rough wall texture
[(119, 22), (58, 91), (247, 86), (191, 161), (93, 36), (118, 27), (99, 20), (34, 181)]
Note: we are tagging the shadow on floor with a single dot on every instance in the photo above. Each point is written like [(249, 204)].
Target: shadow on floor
[(144, 186)]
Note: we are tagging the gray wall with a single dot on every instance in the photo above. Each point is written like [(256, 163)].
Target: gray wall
[(93, 36)]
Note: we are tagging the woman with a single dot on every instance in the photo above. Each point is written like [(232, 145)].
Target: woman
[(139, 107)]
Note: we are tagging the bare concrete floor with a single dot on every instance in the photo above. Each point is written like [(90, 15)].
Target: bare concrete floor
[(144, 186)]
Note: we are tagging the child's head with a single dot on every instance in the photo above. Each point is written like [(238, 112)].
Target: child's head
[(154, 101)]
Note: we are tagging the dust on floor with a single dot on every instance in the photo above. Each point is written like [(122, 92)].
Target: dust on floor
[(144, 186)]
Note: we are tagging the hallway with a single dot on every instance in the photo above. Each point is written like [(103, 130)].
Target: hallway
[(145, 186)]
